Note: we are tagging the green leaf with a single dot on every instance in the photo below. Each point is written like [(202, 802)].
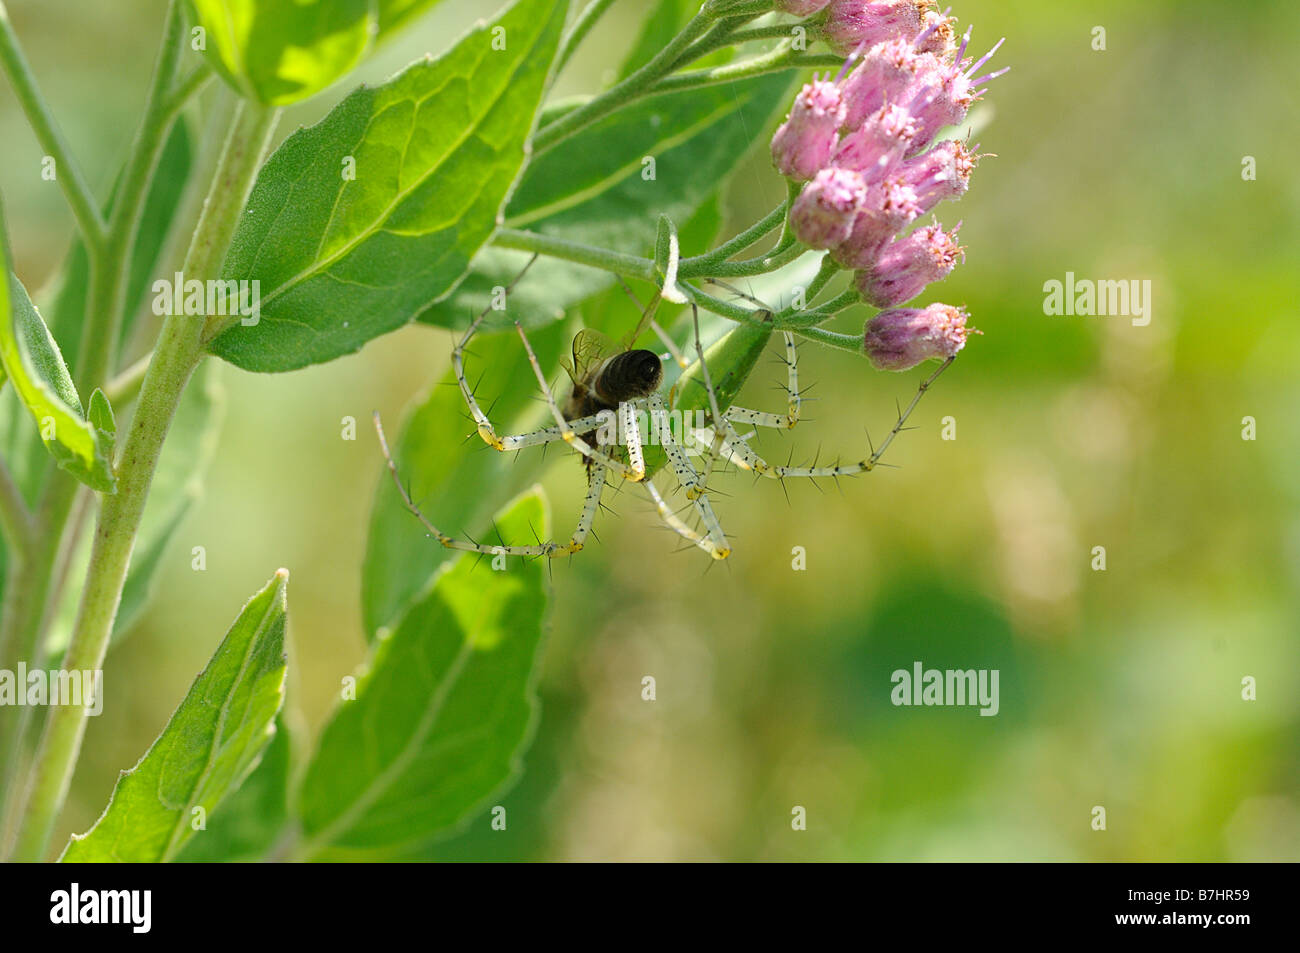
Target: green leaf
[(209, 746), (280, 51), (461, 481), (100, 414), (667, 257), (246, 825), (33, 363), (67, 312), (443, 710), (592, 188), (341, 260)]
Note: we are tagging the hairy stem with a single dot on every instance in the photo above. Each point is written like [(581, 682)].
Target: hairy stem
[(741, 241), (624, 92), (178, 352), (781, 58), (105, 305), (842, 342), (619, 263)]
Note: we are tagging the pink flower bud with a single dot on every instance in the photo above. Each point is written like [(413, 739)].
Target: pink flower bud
[(886, 71), (890, 205), (902, 338), (936, 35), (823, 213), (804, 142), (941, 173), (877, 147), (941, 96), (905, 266), (854, 23), (801, 8)]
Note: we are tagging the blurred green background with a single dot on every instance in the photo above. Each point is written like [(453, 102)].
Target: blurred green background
[(1119, 688)]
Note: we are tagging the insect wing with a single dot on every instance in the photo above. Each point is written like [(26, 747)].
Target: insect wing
[(590, 349)]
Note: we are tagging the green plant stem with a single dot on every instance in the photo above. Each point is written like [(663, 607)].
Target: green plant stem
[(715, 38), (779, 256), (808, 315), (781, 58), (177, 354), (28, 603), (109, 257), (843, 342), (15, 520), (828, 270), (67, 172), (109, 273), (619, 263), (741, 241), (723, 38), (622, 93), (186, 88), (123, 388), (581, 27)]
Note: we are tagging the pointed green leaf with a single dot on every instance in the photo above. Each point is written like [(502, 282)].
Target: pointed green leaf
[(33, 363), (99, 412), (361, 222), (442, 711), (209, 746), (246, 825), (280, 51)]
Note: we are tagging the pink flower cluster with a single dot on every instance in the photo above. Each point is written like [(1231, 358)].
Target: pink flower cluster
[(865, 145)]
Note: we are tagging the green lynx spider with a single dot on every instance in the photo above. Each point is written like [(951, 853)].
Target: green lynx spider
[(718, 444)]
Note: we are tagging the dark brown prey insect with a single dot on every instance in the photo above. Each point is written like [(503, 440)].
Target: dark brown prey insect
[(604, 377)]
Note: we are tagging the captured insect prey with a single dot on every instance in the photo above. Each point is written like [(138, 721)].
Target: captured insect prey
[(624, 422)]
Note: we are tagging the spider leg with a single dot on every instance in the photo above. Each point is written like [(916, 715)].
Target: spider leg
[(481, 421), (790, 418), (739, 453), (627, 413), (677, 459), (551, 434), (708, 543), (596, 482)]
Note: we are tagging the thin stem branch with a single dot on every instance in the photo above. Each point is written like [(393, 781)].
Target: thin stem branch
[(106, 305), (126, 385), (781, 58), (581, 27), (776, 258), (67, 173), (15, 519), (622, 93), (843, 342), (732, 37), (186, 88), (175, 358), (741, 241), (617, 262)]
